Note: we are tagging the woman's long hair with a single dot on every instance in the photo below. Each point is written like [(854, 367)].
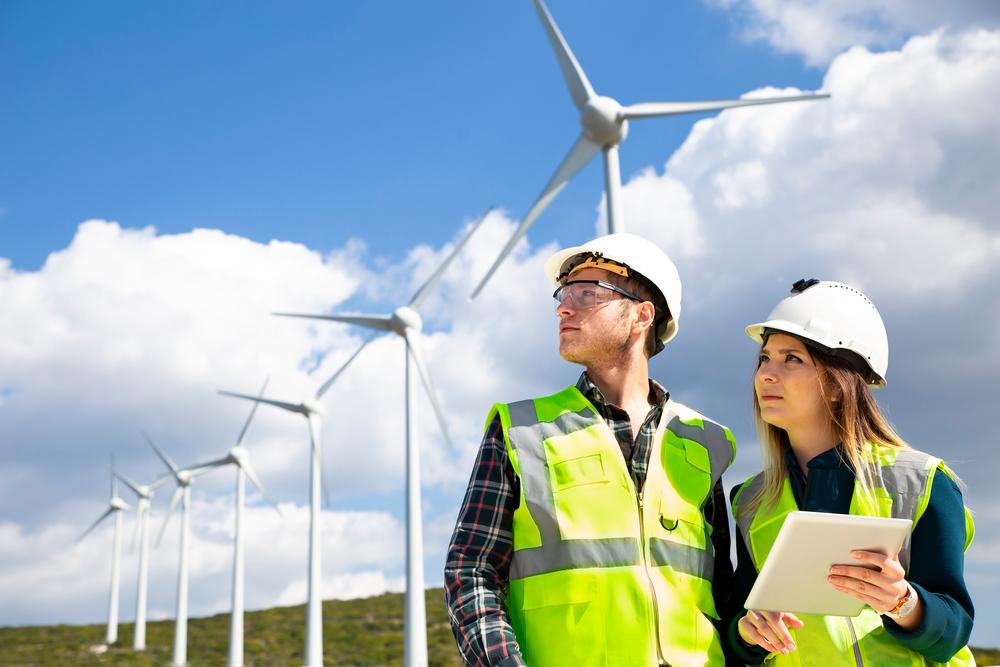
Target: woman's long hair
[(855, 417)]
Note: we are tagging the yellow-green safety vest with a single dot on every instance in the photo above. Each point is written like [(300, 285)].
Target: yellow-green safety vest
[(603, 574), (902, 490)]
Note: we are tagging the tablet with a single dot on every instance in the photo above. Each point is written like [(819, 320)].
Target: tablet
[(793, 578)]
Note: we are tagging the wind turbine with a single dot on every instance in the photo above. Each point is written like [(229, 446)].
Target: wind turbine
[(144, 492), (604, 123), (313, 411), (405, 321), (183, 478), (240, 457), (116, 506)]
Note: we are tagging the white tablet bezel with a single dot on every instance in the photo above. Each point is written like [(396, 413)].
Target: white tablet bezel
[(794, 576)]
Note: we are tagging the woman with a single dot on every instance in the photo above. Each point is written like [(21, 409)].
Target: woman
[(827, 447)]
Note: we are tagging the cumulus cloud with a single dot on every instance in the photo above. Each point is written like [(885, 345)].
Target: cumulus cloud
[(820, 29), (44, 569), (880, 183), (127, 329)]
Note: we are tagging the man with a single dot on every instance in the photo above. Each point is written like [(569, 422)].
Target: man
[(589, 527)]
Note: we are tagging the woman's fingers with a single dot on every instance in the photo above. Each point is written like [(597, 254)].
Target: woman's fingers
[(881, 589), (750, 634), (770, 627), (791, 620)]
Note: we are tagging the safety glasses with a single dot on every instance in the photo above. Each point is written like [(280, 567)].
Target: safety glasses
[(584, 294)]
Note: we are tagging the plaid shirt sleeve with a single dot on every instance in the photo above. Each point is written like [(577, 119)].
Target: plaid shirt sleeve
[(477, 567)]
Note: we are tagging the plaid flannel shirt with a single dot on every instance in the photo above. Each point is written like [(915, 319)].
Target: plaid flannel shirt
[(478, 562)]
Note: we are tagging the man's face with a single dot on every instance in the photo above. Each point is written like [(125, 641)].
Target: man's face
[(590, 335)]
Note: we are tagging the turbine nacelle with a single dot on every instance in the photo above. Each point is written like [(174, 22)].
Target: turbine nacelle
[(603, 121), (311, 406), (404, 318), (238, 455), (119, 504)]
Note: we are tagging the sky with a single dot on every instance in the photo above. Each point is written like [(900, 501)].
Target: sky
[(171, 173)]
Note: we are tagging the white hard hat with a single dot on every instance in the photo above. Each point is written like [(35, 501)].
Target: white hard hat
[(837, 317), (639, 256)]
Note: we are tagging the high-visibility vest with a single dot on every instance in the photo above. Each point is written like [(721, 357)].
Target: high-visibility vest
[(903, 489), (603, 574)]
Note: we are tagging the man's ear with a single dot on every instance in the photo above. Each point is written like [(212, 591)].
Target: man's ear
[(645, 317)]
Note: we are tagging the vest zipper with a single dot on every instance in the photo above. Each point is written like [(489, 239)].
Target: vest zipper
[(854, 644), (649, 580)]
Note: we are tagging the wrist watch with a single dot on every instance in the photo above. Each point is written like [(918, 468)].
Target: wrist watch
[(905, 606)]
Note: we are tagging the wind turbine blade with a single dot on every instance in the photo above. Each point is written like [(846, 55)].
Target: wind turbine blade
[(579, 87), (114, 482), (333, 378), (158, 482), (202, 468), (380, 322), (129, 483), (582, 152), (431, 282), (94, 525), (291, 407), (171, 466), (170, 511), (246, 425), (654, 109), (252, 476), (415, 347)]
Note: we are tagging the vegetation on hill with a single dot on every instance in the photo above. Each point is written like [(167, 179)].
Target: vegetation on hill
[(365, 633), (361, 633)]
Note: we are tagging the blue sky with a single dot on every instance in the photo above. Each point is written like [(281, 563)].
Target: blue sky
[(171, 173), (312, 123)]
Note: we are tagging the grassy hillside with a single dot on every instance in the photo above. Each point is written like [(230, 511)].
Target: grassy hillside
[(364, 633)]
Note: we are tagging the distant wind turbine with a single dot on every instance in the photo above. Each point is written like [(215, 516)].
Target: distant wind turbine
[(313, 411), (183, 478), (604, 124), (405, 321), (116, 506), (240, 457), (145, 493)]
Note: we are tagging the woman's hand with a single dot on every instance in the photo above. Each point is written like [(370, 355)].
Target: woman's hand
[(769, 629), (881, 589)]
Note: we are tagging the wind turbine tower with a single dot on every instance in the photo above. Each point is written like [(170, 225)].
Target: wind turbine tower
[(406, 322), (116, 506), (240, 457), (144, 492), (604, 125)]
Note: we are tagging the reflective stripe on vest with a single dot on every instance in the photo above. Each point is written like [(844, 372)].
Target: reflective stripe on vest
[(597, 576), (903, 483)]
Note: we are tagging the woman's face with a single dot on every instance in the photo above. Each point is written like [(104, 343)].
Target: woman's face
[(788, 385)]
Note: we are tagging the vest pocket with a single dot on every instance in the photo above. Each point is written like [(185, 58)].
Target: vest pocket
[(563, 622), (587, 469)]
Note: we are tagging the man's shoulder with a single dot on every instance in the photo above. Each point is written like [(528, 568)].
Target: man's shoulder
[(570, 390), (686, 413)]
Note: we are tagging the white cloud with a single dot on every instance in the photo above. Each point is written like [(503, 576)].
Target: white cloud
[(886, 183), (42, 570), (127, 329), (820, 29)]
